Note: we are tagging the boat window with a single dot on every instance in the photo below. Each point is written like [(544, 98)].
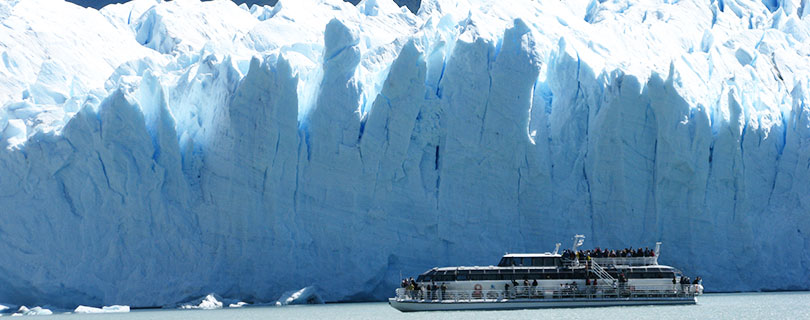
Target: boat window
[(492, 277), (506, 262), (461, 277), (537, 262), (463, 272), (552, 262), (446, 277), (476, 271), (420, 278)]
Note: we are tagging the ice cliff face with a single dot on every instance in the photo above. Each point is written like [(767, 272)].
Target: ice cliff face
[(156, 151)]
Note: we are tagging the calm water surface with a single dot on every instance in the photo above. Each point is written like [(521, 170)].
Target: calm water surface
[(783, 305)]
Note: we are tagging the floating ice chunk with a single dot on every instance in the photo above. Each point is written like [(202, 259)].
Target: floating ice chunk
[(307, 295), (238, 304), (208, 302), (35, 311), (105, 309)]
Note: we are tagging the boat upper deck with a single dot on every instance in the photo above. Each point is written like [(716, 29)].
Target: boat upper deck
[(552, 260)]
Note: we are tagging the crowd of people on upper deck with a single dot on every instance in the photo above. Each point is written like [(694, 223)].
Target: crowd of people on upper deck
[(608, 253)]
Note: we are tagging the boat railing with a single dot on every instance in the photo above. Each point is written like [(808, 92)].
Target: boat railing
[(624, 291), (615, 261)]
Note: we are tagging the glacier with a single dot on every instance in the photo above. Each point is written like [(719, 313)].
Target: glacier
[(155, 152)]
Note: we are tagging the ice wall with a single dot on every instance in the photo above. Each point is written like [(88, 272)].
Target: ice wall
[(157, 152)]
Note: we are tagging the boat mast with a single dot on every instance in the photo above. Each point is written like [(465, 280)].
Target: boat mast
[(657, 252), (578, 241)]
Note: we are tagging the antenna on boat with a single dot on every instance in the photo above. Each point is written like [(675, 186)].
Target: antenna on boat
[(556, 248), (578, 241), (657, 251)]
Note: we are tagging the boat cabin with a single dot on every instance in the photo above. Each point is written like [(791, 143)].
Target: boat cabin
[(531, 260)]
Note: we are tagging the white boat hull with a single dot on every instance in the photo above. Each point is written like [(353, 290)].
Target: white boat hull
[(511, 304)]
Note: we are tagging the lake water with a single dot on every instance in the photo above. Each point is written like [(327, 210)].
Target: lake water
[(781, 305)]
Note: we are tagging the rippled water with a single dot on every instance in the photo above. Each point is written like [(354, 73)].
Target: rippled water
[(782, 305)]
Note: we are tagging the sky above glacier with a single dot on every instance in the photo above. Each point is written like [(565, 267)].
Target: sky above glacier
[(412, 4), (100, 3)]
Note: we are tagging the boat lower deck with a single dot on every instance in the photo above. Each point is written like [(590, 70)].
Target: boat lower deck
[(511, 304), (536, 298)]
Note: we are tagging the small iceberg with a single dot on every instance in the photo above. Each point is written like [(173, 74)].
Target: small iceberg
[(208, 302), (35, 311), (238, 304), (105, 309), (307, 295)]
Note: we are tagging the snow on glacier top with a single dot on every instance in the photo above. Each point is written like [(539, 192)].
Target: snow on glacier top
[(69, 51)]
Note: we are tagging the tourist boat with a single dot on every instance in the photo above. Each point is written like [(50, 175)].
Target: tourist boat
[(550, 280)]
